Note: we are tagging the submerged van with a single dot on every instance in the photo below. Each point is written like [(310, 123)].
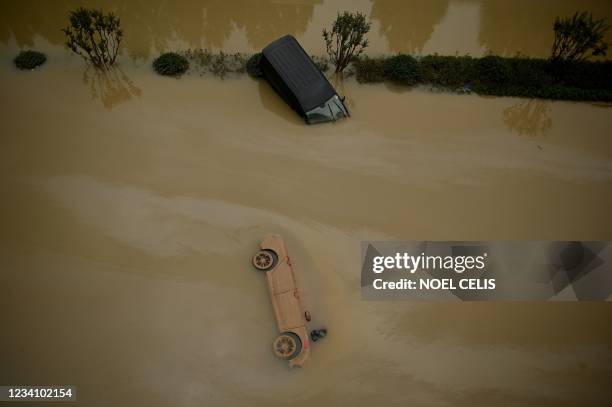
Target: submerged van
[(296, 78)]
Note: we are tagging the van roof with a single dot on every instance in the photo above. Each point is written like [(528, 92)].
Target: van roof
[(287, 57)]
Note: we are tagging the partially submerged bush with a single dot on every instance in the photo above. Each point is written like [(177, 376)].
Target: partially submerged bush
[(493, 70), (447, 71), (94, 35), (171, 64), (492, 75), (223, 64), (578, 36), (29, 59), (585, 74), (219, 64), (530, 72), (369, 70), (321, 63), (402, 69), (346, 40), (252, 66)]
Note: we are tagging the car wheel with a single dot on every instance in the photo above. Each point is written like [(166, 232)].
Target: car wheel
[(265, 260), (287, 345)]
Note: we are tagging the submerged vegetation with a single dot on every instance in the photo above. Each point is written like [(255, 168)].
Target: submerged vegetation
[(170, 64), (489, 75), (369, 70), (322, 63), (494, 75), (402, 69), (252, 66), (566, 75), (203, 61), (94, 35), (29, 59), (219, 64)]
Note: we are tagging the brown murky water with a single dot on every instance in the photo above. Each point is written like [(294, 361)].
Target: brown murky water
[(131, 204)]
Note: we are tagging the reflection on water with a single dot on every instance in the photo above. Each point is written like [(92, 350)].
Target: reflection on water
[(413, 26), (158, 25), (264, 22), (529, 117), (407, 25), (110, 86), (511, 27), (457, 32)]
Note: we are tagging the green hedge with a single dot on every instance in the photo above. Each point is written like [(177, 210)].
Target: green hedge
[(494, 75), (369, 70), (447, 72), (402, 69)]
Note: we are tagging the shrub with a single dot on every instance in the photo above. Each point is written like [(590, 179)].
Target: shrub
[(222, 64), (403, 69), (94, 35), (578, 36), (29, 59), (493, 75), (171, 64), (252, 66), (447, 71), (369, 70), (530, 71), (219, 64), (346, 40), (493, 70), (583, 74)]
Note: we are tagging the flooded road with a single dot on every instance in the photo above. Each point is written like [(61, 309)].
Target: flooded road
[(132, 203)]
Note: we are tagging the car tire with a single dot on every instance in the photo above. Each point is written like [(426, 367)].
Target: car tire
[(264, 260), (287, 345)]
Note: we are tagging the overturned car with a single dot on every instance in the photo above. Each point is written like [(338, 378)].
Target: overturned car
[(292, 343), (296, 78)]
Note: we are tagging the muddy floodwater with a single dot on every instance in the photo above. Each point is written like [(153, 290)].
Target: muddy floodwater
[(131, 204)]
